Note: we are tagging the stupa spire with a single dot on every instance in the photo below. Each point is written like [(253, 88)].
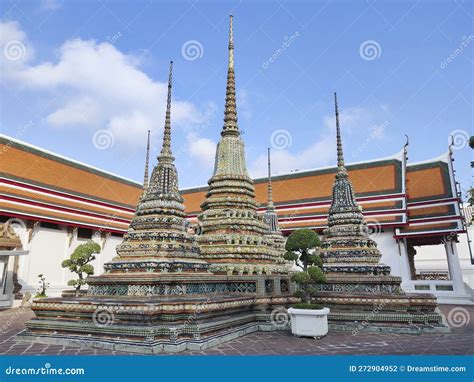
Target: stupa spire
[(270, 216), (270, 206), (164, 178), (230, 113), (157, 231), (340, 154), (166, 149), (234, 237), (147, 159)]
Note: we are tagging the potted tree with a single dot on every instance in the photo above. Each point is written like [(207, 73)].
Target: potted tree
[(307, 318), (43, 286), (78, 263)]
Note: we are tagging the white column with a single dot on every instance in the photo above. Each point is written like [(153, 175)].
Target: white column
[(454, 266), (404, 266)]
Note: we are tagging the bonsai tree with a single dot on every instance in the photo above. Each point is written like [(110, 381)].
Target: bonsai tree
[(300, 248), (78, 263), (43, 286), (307, 281)]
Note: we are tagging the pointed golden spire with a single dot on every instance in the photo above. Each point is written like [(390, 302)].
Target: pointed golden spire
[(145, 176), (270, 189), (340, 154), (231, 42), (230, 113), (166, 149)]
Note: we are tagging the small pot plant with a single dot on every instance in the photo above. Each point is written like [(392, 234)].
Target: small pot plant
[(43, 286), (307, 318), (78, 263)]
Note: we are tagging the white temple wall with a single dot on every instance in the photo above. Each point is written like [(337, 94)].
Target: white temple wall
[(47, 249), (389, 248), (433, 257)]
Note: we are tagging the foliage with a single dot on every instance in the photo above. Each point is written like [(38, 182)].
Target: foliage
[(301, 248), (79, 261), (471, 142), (300, 245), (307, 281), (43, 286), (304, 305)]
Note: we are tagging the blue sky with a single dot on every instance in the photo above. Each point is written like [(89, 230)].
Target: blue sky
[(86, 79)]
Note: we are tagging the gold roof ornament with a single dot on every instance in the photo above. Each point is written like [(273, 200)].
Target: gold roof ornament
[(8, 237)]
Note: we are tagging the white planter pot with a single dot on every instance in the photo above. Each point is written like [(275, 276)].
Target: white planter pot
[(309, 322)]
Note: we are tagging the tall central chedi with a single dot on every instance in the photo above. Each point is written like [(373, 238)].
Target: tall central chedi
[(233, 236), (360, 292)]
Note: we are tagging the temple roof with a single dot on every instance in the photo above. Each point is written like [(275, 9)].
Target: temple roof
[(432, 205), (38, 184), (302, 198), (33, 185)]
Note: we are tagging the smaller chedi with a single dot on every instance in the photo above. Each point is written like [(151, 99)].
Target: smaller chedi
[(157, 239), (271, 218), (360, 292)]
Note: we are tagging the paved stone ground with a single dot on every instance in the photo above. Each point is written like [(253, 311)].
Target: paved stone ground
[(460, 341)]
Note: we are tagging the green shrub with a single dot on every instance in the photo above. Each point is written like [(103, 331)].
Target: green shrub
[(305, 305), (78, 263)]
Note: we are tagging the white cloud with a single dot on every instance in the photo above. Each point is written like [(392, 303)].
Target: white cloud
[(16, 49), (320, 153), (78, 111), (350, 119), (96, 86), (202, 149)]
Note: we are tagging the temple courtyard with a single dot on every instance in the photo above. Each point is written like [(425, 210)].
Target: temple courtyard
[(460, 341)]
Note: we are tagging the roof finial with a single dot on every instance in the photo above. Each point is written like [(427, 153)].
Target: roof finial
[(166, 149), (270, 189), (405, 146), (451, 144), (230, 113), (340, 155), (145, 176), (231, 43)]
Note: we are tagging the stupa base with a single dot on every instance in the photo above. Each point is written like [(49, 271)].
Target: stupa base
[(151, 325), (384, 313), (152, 346)]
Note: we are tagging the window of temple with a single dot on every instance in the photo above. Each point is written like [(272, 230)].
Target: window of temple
[(116, 234), (50, 225), (84, 233)]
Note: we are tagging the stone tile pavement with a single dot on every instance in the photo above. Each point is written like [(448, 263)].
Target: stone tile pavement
[(460, 341)]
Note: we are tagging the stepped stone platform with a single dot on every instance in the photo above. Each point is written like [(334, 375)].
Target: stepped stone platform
[(459, 342), (151, 325)]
